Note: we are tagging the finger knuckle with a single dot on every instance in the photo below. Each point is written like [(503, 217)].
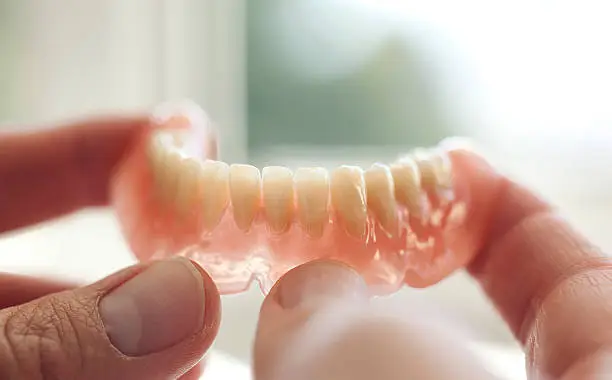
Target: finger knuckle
[(44, 339)]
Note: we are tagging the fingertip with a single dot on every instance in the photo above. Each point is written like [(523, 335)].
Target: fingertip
[(161, 306), (535, 267), (307, 289), (192, 347), (303, 292), (315, 325), (196, 372), (212, 305), (317, 282), (151, 320)]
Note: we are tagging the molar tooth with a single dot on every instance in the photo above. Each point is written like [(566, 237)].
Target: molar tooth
[(426, 168), (155, 148), (156, 154), (166, 165), (348, 198), (312, 193), (380, 196), (168, 174), (278, 197), (213, 194), (444, 174), (434, 167), (245, 193), (407, 181)]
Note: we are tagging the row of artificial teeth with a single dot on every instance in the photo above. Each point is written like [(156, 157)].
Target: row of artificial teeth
[(209, 187)]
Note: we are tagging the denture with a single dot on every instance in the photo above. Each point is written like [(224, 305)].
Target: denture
[(394, 223)]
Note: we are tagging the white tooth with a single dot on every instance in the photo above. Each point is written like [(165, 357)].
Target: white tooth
[(156, 152), (380, 195), (166, 165), (407, 180), (278, 197), (428, 174), (312, 193), (187, 187), (347, 188), (168, 175), (245, 193), (180, 139), (434, 167), (155, 147), (443, 168), (213, 184)]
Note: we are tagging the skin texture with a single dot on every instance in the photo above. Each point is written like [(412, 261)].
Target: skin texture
[(74, 164), (552, 286)]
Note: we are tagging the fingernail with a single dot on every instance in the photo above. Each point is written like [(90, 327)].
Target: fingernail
[(157, 309), (319, 282)]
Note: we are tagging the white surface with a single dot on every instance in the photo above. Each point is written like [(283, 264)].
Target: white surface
[(222, 367)]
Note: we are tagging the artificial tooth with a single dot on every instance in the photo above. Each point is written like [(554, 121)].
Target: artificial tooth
[(278, 197), (312, 193), (245, 193), (179, 138), (407, 182), (380, 196), (168, 174), (348, 196), (213, 194), (434, 168), (155, 151), (187, 186), (443, 169), (156, 154)]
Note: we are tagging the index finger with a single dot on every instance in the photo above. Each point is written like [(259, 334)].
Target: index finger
[(551, 285), (51, 172)]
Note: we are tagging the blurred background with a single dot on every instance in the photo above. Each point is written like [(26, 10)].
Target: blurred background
[(324, 81)]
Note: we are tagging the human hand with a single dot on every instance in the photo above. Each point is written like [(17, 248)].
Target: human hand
[(149, 321), (552, 286)]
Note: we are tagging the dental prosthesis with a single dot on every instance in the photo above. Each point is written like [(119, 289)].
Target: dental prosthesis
[(395, 224)]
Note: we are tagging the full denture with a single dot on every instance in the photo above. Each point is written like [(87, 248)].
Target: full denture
[(260, 224)]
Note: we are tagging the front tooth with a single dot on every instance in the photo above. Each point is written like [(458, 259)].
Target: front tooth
[(312, 193), (278, 197), (348, 198), (214, 192), (187, 186), (245, 193), (407, 180), (380, 196)]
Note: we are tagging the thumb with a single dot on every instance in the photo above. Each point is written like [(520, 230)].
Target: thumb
[(149, 321)]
